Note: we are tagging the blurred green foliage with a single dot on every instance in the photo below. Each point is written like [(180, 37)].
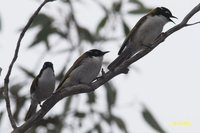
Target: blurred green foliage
[(150, 119), (0, 24), (72, 119)]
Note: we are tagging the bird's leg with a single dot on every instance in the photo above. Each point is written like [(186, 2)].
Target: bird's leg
[(126, 70), (97, 78), (161, 34), (102, 72), (149, 46), (40, 104), (82, 83)]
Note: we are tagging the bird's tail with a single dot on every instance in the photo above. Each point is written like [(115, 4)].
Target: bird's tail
[(31, 110), (121, 58)]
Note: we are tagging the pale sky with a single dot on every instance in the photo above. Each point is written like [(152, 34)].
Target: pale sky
[(167, 81)]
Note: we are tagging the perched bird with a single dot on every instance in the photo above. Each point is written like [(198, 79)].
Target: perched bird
[(143, 34), (42, 87), (84, 70)]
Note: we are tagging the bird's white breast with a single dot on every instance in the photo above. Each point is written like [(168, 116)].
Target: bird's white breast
[(87, 71), (150, 29), (46, 84)]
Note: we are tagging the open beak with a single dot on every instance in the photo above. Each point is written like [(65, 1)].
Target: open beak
[(172, 20), (106, 52)]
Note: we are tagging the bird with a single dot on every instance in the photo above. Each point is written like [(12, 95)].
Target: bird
[(42, 87), (143, 34), (84, 70)]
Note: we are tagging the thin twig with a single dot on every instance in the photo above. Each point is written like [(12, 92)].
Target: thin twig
[(6, 80), (78, 89), (192, 23)]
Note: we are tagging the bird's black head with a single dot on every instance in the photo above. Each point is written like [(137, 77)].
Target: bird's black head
[(96, 53), (164, 12), (46, 65)]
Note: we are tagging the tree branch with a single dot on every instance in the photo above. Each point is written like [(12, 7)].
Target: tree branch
[(6, 80), (193, 23), (0, 70), (78, 89)]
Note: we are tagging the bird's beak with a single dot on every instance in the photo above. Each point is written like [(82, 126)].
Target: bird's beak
[(172, 20), (174, 17), (106, 52)]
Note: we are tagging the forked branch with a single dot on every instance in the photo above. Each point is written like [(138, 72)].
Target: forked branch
[(78, 89), (6, 80)]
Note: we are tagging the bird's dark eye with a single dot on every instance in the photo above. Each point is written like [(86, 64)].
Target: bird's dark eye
[(167, 12), (96, 53)]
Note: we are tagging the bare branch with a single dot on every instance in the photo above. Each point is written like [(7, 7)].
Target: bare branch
[(185, 20), (78, 89), (6, 80), (192, 23)]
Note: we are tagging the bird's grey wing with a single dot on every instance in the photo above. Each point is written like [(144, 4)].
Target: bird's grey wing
[(76, 64), (32, 109), (34, 85), (131, 33)]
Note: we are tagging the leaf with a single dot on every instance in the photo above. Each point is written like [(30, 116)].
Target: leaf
[(117, 6), (55, 122), (18, 99), (137, 2), (103, 7), (149, 118), (80, 114), (1, 93), (126, 28), (91, 98), (42, 20), (89, 131), (42, 36), (67, 105), (141, 7), (0, 70), (0, 24), (85, 34), (140, 11), (110, 119), (65, 1), (120, 123), (1, 115), (111, 94), (19, 103), (61, 74), (102, 23), (98, 128), (114, 119), (51, 119), (27, 72), (14, 89), (107, 118)]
